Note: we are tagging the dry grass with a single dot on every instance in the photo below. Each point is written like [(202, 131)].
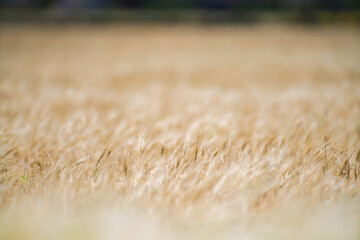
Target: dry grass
[(124, 132)]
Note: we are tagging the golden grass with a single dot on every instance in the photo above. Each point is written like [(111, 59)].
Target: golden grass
[(163, 132)]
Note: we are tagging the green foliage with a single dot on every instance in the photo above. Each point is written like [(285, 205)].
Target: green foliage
[(24, 178)]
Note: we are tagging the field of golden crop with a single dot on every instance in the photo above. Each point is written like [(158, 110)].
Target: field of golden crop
[(179, 132)]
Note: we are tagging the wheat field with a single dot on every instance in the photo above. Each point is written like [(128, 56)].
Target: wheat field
[(179, 132)]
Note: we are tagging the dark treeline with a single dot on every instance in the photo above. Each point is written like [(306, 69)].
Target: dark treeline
[(335, 5)]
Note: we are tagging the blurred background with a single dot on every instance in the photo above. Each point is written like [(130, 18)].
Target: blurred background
[(181, 11)]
